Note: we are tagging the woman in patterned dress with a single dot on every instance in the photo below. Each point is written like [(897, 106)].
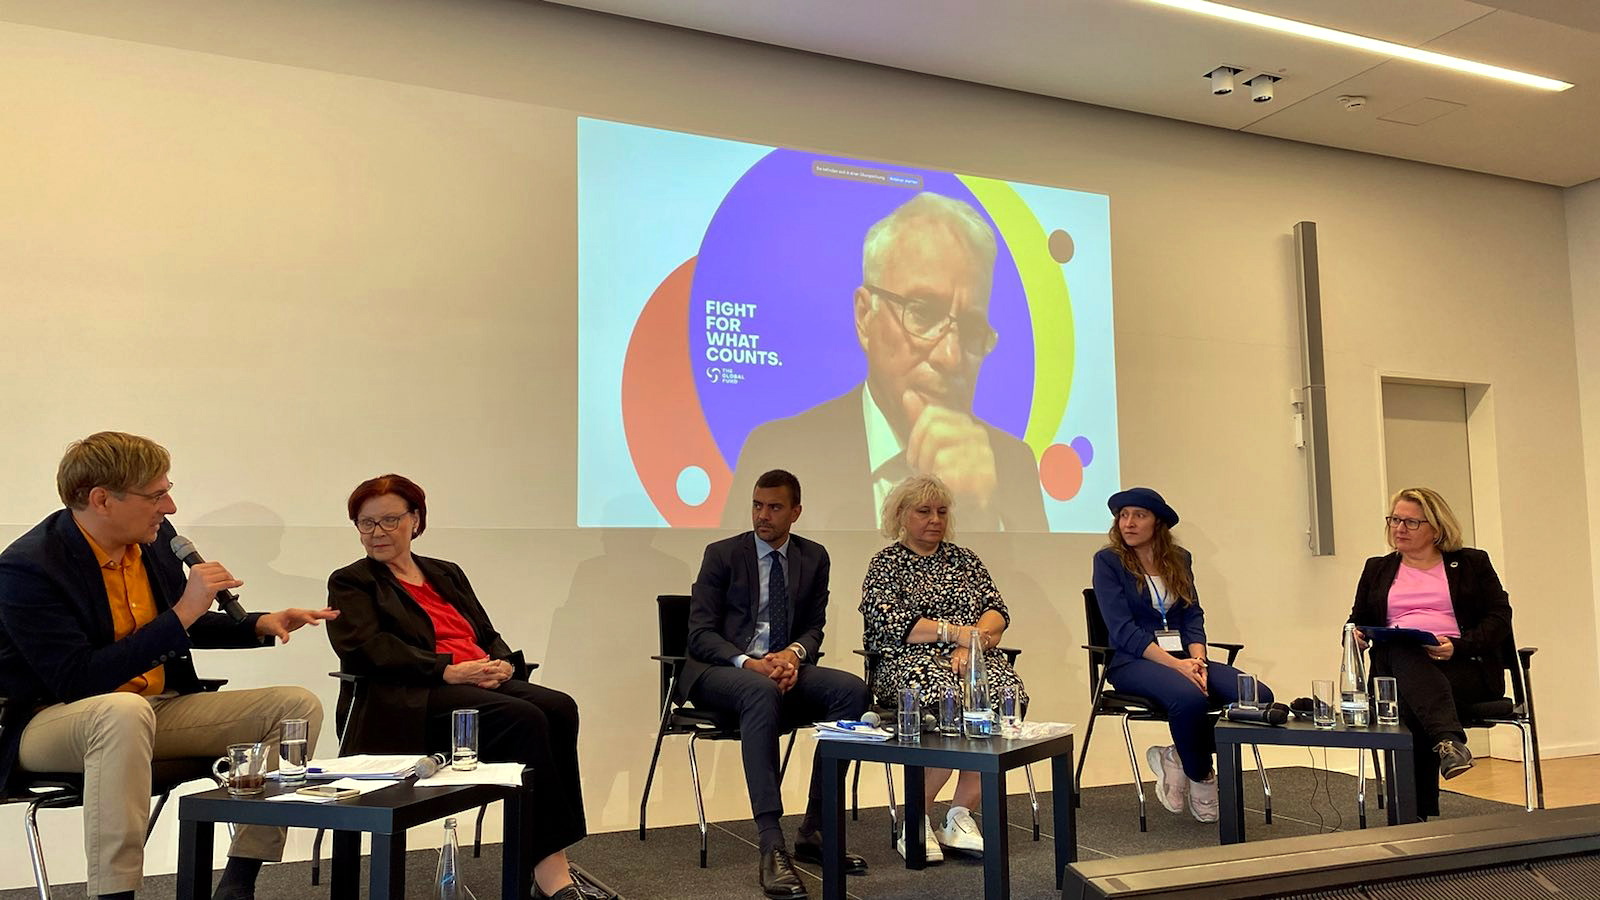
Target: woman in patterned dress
[(922, 599)]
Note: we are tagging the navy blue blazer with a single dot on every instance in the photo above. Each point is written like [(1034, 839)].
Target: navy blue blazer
[(727, 594), (1130, 613), (57, 641)]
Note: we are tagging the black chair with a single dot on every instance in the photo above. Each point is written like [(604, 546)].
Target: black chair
[(1133, 707), (672, 614), (870, 668), (349, 686), (1515, 711), (64, 790)]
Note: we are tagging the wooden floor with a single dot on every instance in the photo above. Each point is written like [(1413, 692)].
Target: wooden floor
[(1570, 781)]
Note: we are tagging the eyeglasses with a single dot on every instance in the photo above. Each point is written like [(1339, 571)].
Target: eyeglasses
[(387, 523), (1410, 524), (930, 321), (155, 497)]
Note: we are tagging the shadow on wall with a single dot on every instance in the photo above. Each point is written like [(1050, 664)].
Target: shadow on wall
[(600, 642)]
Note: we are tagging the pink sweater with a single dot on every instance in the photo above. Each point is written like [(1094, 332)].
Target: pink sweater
[(1420, 598)]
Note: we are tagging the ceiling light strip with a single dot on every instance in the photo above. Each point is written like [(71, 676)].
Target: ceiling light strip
[(1361, 42)]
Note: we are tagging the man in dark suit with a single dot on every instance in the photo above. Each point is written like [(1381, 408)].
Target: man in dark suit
[(922, 319), (96, 622), (755, 629)]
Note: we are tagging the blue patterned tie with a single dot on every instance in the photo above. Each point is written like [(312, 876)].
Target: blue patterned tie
[(777, 605)]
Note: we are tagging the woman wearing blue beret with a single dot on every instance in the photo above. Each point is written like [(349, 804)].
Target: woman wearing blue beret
[(1144, 584)]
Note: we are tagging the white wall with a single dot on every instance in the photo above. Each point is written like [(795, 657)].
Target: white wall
[(1583, 252), (302, 243)]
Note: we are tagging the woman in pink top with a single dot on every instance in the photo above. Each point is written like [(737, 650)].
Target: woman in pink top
[(1432, 583)]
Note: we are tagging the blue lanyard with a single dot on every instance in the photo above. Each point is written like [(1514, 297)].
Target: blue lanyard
[(1161, 599)]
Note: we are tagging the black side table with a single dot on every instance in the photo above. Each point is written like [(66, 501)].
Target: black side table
[(991, 758), (385, 814), (1400, 787)]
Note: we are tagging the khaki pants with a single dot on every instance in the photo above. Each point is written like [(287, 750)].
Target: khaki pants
[(113, 737)]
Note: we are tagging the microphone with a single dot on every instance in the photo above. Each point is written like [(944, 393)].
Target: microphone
[(428, 766), (1302, 707), (227, 601), (871, 718), (1266, 715), (929, 723)]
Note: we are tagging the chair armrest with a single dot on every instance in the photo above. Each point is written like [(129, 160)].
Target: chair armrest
[(212, 685), (347, 677), (1233, 649), (1526, 655), (1011, 654), (670, 659)]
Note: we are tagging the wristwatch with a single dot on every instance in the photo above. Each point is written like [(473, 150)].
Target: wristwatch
[(799, 650)]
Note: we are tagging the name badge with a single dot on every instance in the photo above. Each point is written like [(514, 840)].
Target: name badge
[(1169, 640)]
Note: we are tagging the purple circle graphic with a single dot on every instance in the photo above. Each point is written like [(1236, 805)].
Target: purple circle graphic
[(771, 327), (1084, 449)]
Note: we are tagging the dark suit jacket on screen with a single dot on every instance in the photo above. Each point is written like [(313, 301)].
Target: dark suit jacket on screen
[(388, 637), (727, 594), (57, 641), (826, 448)]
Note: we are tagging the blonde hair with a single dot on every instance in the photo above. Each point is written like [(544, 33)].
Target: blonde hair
[(911, 493), (113, 460), (1170, 565), (1447, 531)]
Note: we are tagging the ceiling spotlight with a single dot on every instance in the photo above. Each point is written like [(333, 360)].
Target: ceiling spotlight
[(1222, 79), (1261, 87)]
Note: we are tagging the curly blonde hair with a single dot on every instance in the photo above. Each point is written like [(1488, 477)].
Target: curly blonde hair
[(909, 494)]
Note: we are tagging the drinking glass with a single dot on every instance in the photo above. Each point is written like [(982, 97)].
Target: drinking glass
[(292, 751), (1247, 692), (464, 740), (1010, 721), (1387, 691), (1322, 703), (241, 770), (908, 730), (950, 711)]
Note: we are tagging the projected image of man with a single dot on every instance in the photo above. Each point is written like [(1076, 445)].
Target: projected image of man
[(921, 315)]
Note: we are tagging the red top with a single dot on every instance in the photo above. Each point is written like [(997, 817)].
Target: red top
[(452, 632)]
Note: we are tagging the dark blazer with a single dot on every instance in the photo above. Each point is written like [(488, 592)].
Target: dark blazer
[(826, 447), (727, 594), (1129, 611), (384, 635), (1481, 606), (57, 641)]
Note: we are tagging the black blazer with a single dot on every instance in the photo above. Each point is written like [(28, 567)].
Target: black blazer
[(826, 446), (727, 594), (57, 641), (384, 635), (1481, 606)]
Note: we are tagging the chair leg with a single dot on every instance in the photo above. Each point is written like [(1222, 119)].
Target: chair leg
[(894, 812), (1527, 769), (786, 751), (477, 832), (30, 824), (1138, 779), (155, 814), (316, 857), (1377, 773), (1266, 782), (699, 802), (650, 774), (1033, 799), (1361, 788), (1083, 754), (1533, 753)]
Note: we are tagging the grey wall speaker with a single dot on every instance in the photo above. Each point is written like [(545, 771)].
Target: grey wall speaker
[(1314, 391)]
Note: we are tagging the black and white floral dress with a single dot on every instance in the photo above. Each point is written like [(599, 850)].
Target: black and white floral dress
[(950, 584)]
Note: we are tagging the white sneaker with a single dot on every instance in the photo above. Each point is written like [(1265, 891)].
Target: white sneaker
[(1203, 799), (961, 833), (930, 847), (1171, 784)]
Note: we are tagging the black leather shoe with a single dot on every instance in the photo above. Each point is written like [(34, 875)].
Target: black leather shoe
[(1454, 758), (808, 849), (779, 880)]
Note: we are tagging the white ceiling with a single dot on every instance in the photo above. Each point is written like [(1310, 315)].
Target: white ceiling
[(1135, 55)]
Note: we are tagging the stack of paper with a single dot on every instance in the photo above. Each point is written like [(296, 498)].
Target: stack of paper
[(850, 731), (365, 765)]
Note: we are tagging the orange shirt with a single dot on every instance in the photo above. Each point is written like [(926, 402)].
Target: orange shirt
[(132, 605)]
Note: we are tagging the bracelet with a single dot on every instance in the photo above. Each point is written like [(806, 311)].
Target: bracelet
[(943, 633)]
